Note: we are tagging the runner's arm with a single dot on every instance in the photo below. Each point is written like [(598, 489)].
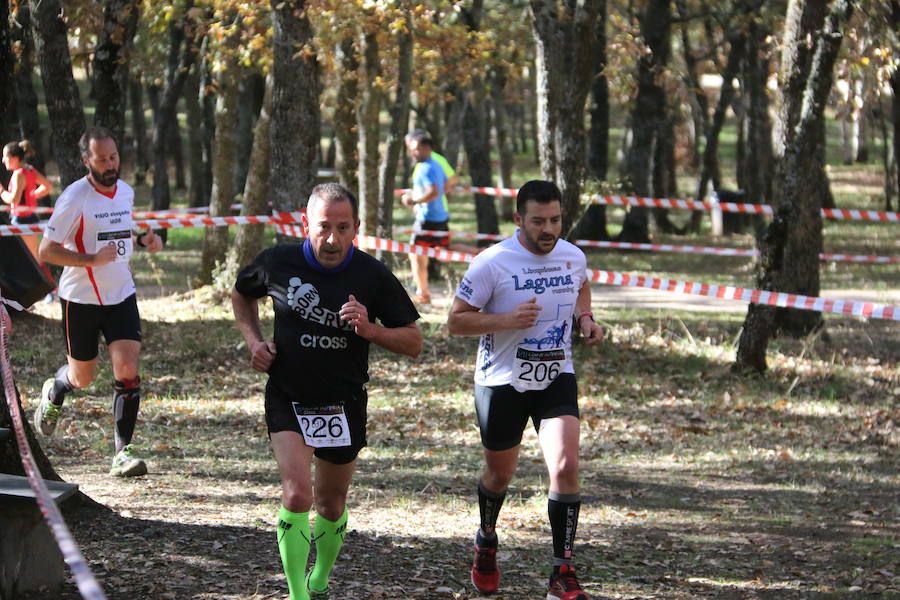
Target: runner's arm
[(14, 193), (465, 319), (54, 253), (400, 340), (590, 331), (246, 316), (44, 186)]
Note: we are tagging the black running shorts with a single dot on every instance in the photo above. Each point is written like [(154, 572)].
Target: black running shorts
[(431, 241), (82, 324), (503, 412), (280, 416)]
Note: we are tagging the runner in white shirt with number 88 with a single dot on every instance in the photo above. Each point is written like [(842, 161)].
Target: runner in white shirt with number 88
[(524, 296)]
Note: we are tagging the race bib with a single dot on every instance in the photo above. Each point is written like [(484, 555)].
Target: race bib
[(323, 426), (536, 369), (121, 240)]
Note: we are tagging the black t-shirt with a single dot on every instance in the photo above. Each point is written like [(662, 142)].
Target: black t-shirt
[(318, 354)]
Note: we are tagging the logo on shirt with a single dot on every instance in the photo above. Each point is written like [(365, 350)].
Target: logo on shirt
[(555, 337), (541, 284), (303, 298)]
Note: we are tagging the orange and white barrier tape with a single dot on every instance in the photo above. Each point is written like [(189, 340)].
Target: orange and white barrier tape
[(872, 310), (856, 308), (81, 571)]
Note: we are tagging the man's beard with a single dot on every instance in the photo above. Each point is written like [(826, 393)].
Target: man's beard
[(107, 178)]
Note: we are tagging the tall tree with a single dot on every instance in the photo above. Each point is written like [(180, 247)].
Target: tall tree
[(367, 112), (186, 34), (215, 242), (295, 122), (346, 136), (63, 102), (26, 96), (647, 115), (477, 133), (248, 240), (399, 113), (789, 251), (120, 18), (564, 34)]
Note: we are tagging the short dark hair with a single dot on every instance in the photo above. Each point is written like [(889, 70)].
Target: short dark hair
[(415, 134), (332, 192), (421, 137), (539, 191), (94, 133)]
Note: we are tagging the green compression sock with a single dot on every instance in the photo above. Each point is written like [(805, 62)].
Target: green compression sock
[(329, 537), (293, 544)]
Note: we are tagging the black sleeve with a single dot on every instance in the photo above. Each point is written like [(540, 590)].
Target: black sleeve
[(253, 280), (393, 306)]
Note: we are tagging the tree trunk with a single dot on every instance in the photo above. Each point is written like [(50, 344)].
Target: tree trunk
[(26, 96), (399, 113), (564, 68), (252, 89), (456, 110), (757, 179), (367, 125), (710, 166), (346, 138), (699, 102), (185, 38), (207, 99), (139, 130), (648, 112), (8, 116), (248, 241), (502, 131), (215, 243), (120, 19), (477, 135), (198, 192), (296, 119), (64, 108), (789, 253)]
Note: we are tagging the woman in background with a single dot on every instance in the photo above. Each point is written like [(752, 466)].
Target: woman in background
[(26, 186)]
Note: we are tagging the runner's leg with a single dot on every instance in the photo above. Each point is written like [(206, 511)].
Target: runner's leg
[(294, 460)]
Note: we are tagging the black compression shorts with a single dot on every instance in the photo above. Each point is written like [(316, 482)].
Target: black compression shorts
[(431, 241), (280, 416), (503, 412), (82, 324)]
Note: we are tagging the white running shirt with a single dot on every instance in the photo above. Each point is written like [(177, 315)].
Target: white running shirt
[(506, 275), (84, 220)]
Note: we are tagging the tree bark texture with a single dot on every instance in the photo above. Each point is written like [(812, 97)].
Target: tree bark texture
[(477, 135), (138, 129), (120, 19), (296, 119), (699, 101), (252, 88), (61, 95), (8, 116), (456, 111), (565, 36), (248, 241), (789, 252), (710, 171), (26, 96), (647, 115), (198, 191), (399, 113), (346, 138), (498, 79), (185, 37), (367, 119), (215, 242)]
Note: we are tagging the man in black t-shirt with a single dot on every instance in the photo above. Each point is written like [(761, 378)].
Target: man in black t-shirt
[(327, 295)]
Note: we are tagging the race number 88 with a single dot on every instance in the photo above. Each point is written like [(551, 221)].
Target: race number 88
[(539, 372), (318, 427)]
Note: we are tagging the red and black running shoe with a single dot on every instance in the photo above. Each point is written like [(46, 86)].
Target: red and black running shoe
[(564, 585), (484, 571)]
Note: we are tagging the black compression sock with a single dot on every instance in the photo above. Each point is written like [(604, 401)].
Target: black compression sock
[(489, 504), (61, 385), (563, 511), (126, 403)]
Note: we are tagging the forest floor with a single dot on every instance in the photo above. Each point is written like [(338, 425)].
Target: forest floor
[(697, 483)]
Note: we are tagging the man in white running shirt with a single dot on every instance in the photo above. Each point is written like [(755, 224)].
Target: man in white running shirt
[(524, 296), (90, 235)]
